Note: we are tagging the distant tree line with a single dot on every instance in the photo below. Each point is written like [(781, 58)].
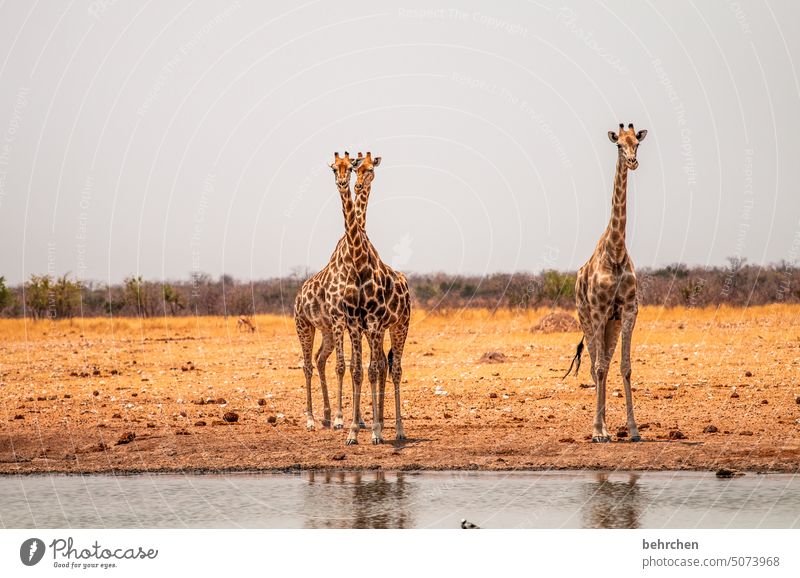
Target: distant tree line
[(47, 297)]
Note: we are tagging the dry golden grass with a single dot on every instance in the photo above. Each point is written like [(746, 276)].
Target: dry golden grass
[(519, 413)]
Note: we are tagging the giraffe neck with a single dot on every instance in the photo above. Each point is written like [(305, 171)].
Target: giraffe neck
[(353, 231), (362, 199), (615, 233)]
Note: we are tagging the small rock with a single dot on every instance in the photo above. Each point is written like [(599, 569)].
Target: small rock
[(725, 473), (67, 396), (182, 414), (586, 385), (338, 457), (447, 416), (96, 372), (797, 399), (182, 432), (493, 395), (126, 438), (710, 429), (567, 440), (116, 416), (748, 373), (262, 401), (622, 433), (677, 434), (200, 423), (220, 401), (151, 425), (231, 417), (616, 393), (764, 402), (19, 416), (745, 433), (734, 395), (95, 393), (272, 419)]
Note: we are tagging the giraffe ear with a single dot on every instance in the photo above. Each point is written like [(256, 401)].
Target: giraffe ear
[(357, 162), (612, 137), (376, 161), (640, 135)]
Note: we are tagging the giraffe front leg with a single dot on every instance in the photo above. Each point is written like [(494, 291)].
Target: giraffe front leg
[(599, 431), (377, 369), (398, 338), (628, 323), (323, 354), (357, 375), (340, 370)]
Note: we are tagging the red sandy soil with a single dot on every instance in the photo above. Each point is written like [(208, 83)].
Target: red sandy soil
[(728, 380)]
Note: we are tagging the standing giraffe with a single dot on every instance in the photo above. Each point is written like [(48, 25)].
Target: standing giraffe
[(384, 303), (320, 302), (605, 292)]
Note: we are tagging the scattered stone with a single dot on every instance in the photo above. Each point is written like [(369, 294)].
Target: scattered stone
[(567, 440), (96, 371), (622, 433), (182, 414), (677, 434), (200, 401), (114, 372), (231, 417), (338, 457), (67, 396), (19, 416), (151, 425), (734, 395), (748, 373), (616, 393), (126, 438), (745, 433), (272, 419), (262, 401), (200, 423), (134, 394), (556, 322), (447, 416), (95, 393), (116, 416), (492, 395), (182, 432), (725, 473), (586, 385), (797, 399), (493, 357), (41, 398), (428, 354), (764, 402), (220, 401), (710, 429), (184, 368)]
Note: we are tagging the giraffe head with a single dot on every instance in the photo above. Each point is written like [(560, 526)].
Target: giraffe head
[(342, 168), (627, 142), (365, 170)]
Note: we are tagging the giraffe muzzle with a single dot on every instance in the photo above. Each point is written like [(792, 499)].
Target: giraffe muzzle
[(633, 164)]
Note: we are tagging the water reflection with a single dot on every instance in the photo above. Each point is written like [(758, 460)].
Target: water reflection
[(357, 500), (610, 503)]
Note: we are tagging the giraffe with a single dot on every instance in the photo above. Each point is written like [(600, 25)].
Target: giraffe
[(384, 304), (605, 292), (319, 303)]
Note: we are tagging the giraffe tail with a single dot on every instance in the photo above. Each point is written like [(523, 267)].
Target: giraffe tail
[(390, 359), (576, 360)]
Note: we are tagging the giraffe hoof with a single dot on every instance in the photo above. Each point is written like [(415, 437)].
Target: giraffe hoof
[(400, 437), (362, 425), (338, 426), (351, 442), (376, 441), (326, 424), (636, 438), (601, 439)]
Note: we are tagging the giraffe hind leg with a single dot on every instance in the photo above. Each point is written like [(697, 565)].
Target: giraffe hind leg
[(323, 353), (305, 333)]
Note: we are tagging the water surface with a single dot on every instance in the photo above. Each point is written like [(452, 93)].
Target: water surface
[(380, 499)]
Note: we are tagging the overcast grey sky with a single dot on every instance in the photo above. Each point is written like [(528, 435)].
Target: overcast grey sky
[(161, 138)]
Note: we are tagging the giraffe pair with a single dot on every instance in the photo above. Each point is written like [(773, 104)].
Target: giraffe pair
[(358, 293), (605, 292)]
